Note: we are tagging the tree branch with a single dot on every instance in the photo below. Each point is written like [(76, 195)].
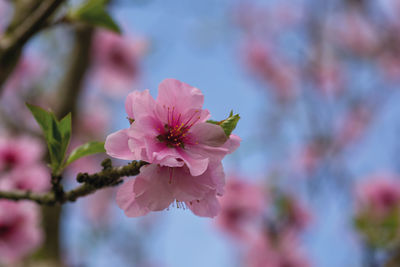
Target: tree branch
[(109, 176), (13, 41)]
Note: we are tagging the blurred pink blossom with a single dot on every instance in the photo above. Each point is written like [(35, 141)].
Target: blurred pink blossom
[(20, 151), (20, 232), (270, 68), (297, 216), (351, 30), (21, 166), (353, 125), (116, 61), (242, 208), (281, 252), (268, 21), (171, 130), (25, 76), (329, 77), (380, 194)]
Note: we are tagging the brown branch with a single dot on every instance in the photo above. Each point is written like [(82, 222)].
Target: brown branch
[(14, 39), (109, 176)]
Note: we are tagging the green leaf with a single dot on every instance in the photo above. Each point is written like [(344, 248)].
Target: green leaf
[(94, 12), (57, 134), (85, 150), (65, 129), (43, 117), (229, 124)]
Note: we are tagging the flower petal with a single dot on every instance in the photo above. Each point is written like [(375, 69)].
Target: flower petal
[(116, 145), (180, 95), (206, 207), (139, 103), (233, 143), (196, 163), (152, 188), (208, 134), (126, 200)]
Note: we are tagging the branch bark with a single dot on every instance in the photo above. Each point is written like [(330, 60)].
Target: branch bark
[(109, 176)]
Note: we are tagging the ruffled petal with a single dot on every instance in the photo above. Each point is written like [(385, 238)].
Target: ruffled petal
[(179, 95), (233, 143), (126, 200), (197, 164), (139, 104), (206, 207)]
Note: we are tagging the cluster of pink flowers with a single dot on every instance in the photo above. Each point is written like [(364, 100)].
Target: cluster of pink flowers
[(183, 149), (269, 233), (20, 169)]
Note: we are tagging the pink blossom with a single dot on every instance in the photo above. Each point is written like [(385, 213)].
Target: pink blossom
[(353, 31), (242, 207), (94, 119), (34, 178), (171, 130), (328, 76), (21, 166), (353, 125), (266, 64), (156, 188), (20, 232), (379, 194), (116, 61), (297, 216), (22, 151), (285, 251)]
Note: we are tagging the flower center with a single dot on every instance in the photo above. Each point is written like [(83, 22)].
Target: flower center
[(175, 131), (173, 136), (6, 230), (9, 159)]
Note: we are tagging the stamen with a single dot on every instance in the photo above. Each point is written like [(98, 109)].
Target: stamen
[(172, 116), (194, 114)]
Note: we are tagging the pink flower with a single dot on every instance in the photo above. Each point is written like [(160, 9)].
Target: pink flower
[(116, 61), (353, 31), (156, 188), (380, 194), (272, 69), (34, 178), (171, 131), (20, 165), (20, 232), (276, 253), (16, 152), (296, 215), (242, 207)]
